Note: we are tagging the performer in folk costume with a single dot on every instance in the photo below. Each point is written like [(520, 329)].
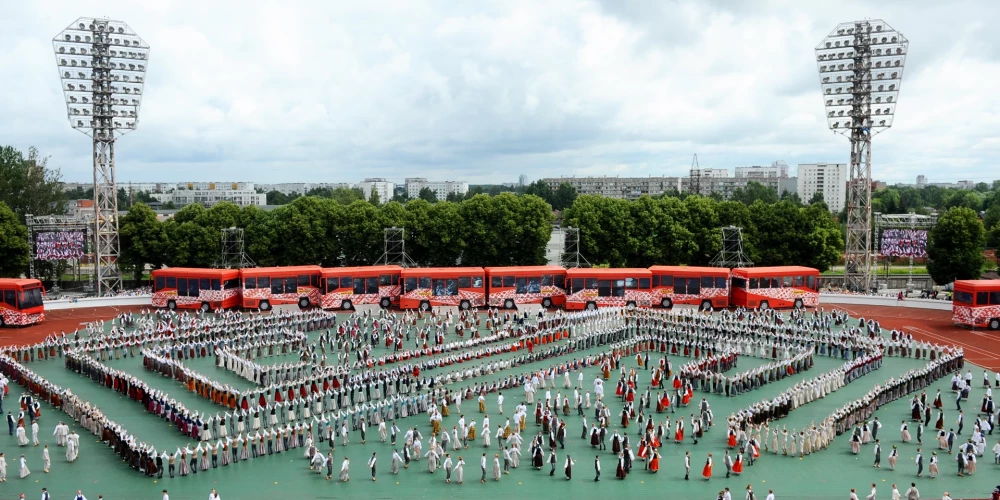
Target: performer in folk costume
[(707, 471)]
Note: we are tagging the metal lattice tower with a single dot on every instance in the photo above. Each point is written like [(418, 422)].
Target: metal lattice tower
[(901, 221), (731, 255), (861, 68), (395, 248), (695, 176), (102, 65), (233, 254), (572, 256)]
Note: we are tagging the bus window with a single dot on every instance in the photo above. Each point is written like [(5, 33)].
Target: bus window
[(811, 282), (250, 284), (508, 281), (385, 280), (604, 288), (182, 287), (982, 298), (694, 286), (277, 286), (372, 284), (618, 288), (290, 285), (10, 297), (720, 282), (411, 284), (590, 283), (706, 282), (425, 282), (963, 297), (521, 285), (644, 283), (31, 297), (216, 284), (452, 286), (534, 285), (439, 288), (788, 281), (464, 282), (656, 280), (631, 283), (159, 283), (477, 282), (680, 286), (231, 284), (359, 286), (560, 281), (799, 281), (737, 282), (303, 280), (264, 282), (315, 280), (666, 281), (171, 282), (193, 288), (496, 281), (754, 283), (576, 284), (995, 298), (764, 283), (204, 284), (547, 280), (346, 282)]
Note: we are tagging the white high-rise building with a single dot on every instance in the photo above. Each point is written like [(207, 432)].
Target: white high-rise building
[(827, 178), (441, 188), (777, 169), (384, 188), (711, 173)]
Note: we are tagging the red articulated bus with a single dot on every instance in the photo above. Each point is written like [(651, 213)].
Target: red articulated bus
[(21, 302), (706, 287), (976, 303), (600, 287), (511, 286), (774, 287), (266, 287), (346, 287), (425, 288), (190, 288)]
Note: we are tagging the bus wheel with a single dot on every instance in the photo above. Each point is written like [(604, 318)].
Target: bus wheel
[(346, 305), (799, 304), (666, 303), (464, 305), (425, 306), (630, 304), (508, 304), (385, 303), (172, 305), (706, 305), (546, 302), (264, 305), (994, 324), (205, 308), (2, 324), (764, 306), (303, 303), (591, 306)]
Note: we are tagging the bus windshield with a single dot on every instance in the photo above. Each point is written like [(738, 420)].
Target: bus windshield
[(31, 297)]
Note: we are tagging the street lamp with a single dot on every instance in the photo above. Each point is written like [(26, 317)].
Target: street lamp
[(102, 68)]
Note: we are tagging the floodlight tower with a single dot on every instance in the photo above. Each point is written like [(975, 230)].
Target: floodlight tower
[(860, 70), (102, 67)]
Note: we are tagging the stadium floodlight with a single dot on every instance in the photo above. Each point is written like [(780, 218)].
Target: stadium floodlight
[(102, 68), (860, 70)]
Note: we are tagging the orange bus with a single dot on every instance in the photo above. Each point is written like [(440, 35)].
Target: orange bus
[(190, 288), (599, 287), (346, 287), (976, 303), (510, 286), (706, 287), (424, 288), (774, 287), (21, 302), (266, 287)]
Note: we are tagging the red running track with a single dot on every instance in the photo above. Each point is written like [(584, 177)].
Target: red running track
[(63, 320)]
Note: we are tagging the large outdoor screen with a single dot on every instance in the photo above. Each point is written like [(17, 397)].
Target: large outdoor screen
[(59, 245), (904, 243)]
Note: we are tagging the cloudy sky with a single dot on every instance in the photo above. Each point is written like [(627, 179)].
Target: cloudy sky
[(483, 91)]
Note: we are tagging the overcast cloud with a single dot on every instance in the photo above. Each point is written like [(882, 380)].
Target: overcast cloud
[(332, 91)]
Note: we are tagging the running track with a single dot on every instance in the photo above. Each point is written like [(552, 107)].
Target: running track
[(981, 347)]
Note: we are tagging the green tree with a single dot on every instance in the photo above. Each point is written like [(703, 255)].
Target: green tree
[(259, 235), (28, 185), (817, 197), (346, 196), (887, 201), (307, 232), (955, 246), (563, 197), (702, 220), (401, 196), (455, 197), (279, 198), (427, 194), (792, 197), (13, 244), (374, 199), (822, 242), (964, 198), (143, 241), (754, 191), (540, 189)]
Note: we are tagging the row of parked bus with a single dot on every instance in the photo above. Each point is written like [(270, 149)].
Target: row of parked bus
[(477, 287)]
